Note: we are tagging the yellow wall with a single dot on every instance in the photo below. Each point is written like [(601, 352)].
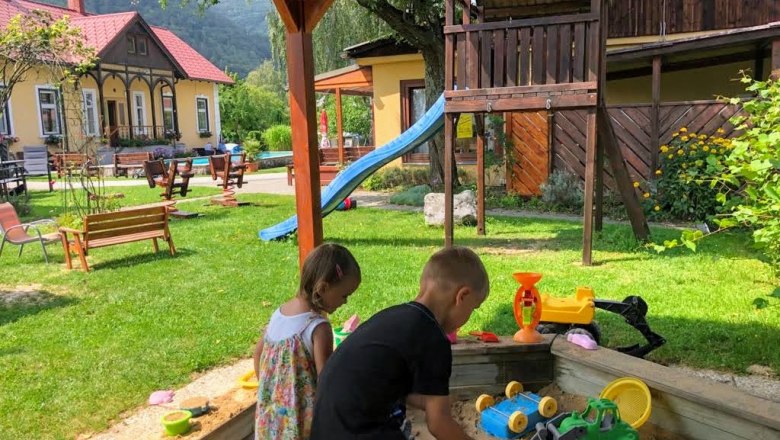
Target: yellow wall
[(684, 85), (387, 74), (186, 92), (25, 117)]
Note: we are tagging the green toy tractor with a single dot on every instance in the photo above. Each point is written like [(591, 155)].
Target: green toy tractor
[(599, 421)]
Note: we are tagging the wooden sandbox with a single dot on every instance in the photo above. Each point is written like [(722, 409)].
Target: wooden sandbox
[(686, 406)]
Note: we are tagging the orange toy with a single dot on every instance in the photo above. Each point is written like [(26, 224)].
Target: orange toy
[(527, 307)]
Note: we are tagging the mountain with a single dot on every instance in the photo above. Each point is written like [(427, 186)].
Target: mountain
[(232, 34)]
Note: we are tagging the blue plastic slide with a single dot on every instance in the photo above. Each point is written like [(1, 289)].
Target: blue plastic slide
[(351, 177)]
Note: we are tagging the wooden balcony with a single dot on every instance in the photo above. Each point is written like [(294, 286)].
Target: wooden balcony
[(141, 132), (529, 64)]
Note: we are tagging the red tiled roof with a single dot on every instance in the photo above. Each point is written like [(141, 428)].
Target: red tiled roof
[(193, 63), (100, 30)]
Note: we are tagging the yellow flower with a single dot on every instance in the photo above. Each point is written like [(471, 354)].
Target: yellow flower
[(683, 130), (692, 135), (702, 136), (657, 208), (699, 143), (658, 172), (675, 134), (636, 184), (664, 148), (694, 147), (684, 138), (705, 148), (671, 156), (680, 152), (721, 131), (646, 195)]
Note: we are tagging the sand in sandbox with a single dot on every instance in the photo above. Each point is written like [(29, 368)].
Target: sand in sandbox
[(222, 409), (466, 414)]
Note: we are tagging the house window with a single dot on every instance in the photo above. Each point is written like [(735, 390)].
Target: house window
[(139, 113), (412, 109), (48, 109), (203, 114), (90, 112), (5, 118), (167, 107), (130, 44), (140, 46)]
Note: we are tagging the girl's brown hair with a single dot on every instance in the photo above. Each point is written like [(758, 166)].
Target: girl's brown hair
[(329, 264)]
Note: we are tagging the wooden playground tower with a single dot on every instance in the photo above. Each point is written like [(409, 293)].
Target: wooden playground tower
[(501, 65), (496, 63)]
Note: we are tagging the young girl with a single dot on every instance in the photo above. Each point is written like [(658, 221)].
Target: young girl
[(297, 342)]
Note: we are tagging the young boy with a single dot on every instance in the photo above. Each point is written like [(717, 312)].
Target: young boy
[(402, 354)]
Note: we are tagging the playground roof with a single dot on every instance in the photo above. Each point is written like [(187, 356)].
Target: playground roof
[(352, 80)]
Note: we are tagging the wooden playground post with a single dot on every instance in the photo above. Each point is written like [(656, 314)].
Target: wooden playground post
[(299, 18)]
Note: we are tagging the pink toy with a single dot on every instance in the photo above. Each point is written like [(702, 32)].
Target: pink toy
[(351, 324), (160, 397), (453, 337), (583, 341)]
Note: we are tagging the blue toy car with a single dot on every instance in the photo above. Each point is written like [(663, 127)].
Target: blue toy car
[(517, 414)]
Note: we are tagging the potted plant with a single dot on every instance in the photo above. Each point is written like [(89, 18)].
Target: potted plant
[(52, 139), (252, 146), (205, 134)]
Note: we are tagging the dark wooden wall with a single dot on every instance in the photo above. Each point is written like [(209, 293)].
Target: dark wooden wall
[(630, 18), (632, 127)]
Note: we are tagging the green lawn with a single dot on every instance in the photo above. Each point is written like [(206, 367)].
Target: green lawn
[(95, 345)]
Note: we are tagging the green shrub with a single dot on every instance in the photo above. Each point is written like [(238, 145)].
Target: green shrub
[(405, 177), (278, 138), (563, 190), (414, 196), (252, 144), (750, 174), (683, 187)]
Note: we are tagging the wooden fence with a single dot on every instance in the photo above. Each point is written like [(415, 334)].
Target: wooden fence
[(632, 127), (632, 18)]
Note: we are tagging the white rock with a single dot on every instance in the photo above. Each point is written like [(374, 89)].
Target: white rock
[(464, 208)]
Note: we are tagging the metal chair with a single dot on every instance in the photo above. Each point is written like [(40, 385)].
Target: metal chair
[(16, 232)]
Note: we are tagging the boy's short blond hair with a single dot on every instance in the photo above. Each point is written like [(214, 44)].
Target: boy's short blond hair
[(455, 266)]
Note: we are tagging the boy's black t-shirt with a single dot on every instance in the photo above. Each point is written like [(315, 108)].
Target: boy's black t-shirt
[(401, 350)]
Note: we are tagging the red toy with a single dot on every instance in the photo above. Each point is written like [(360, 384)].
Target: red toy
[(485, 336)]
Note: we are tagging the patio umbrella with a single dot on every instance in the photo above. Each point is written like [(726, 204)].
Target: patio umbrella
[(324, 129)]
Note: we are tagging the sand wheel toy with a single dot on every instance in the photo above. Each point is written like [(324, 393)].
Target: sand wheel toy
[(527, 307)]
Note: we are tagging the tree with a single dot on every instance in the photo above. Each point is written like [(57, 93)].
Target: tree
[(36, 43), (245, 107)]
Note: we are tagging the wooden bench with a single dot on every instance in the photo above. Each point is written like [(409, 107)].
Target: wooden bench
[(67, 163), (126, 226), (329, 163), (123, 162)]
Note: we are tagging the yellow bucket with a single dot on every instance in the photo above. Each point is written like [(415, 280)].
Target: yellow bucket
[(632, 398)]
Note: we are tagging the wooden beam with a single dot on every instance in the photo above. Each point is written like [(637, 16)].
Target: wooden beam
[(636, 216), (314, 11), (286, 14), (655, 116), (536, 88), (300, 75), (528, 103), (590, 170), (598, 222), (449, 140), (775, 62), (339, 126), (480, 174)]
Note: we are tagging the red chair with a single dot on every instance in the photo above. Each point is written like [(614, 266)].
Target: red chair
[(18, 233)]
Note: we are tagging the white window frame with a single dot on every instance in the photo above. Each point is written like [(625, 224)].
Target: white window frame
[(136, 123), (197, 110), (95, 129), (8, 115), (56, 107), (173, 114)]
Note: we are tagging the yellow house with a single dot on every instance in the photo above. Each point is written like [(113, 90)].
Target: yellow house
[(147, 87), (658, 60)]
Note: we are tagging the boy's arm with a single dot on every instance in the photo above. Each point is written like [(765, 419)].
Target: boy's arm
[(256, 357), (438, 417)]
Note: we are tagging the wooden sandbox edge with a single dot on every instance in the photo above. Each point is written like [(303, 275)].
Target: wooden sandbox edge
[(239, 427), (689, 406)]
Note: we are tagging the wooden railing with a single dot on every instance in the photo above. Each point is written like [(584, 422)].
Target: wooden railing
[(138, 132), (560, 50)]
